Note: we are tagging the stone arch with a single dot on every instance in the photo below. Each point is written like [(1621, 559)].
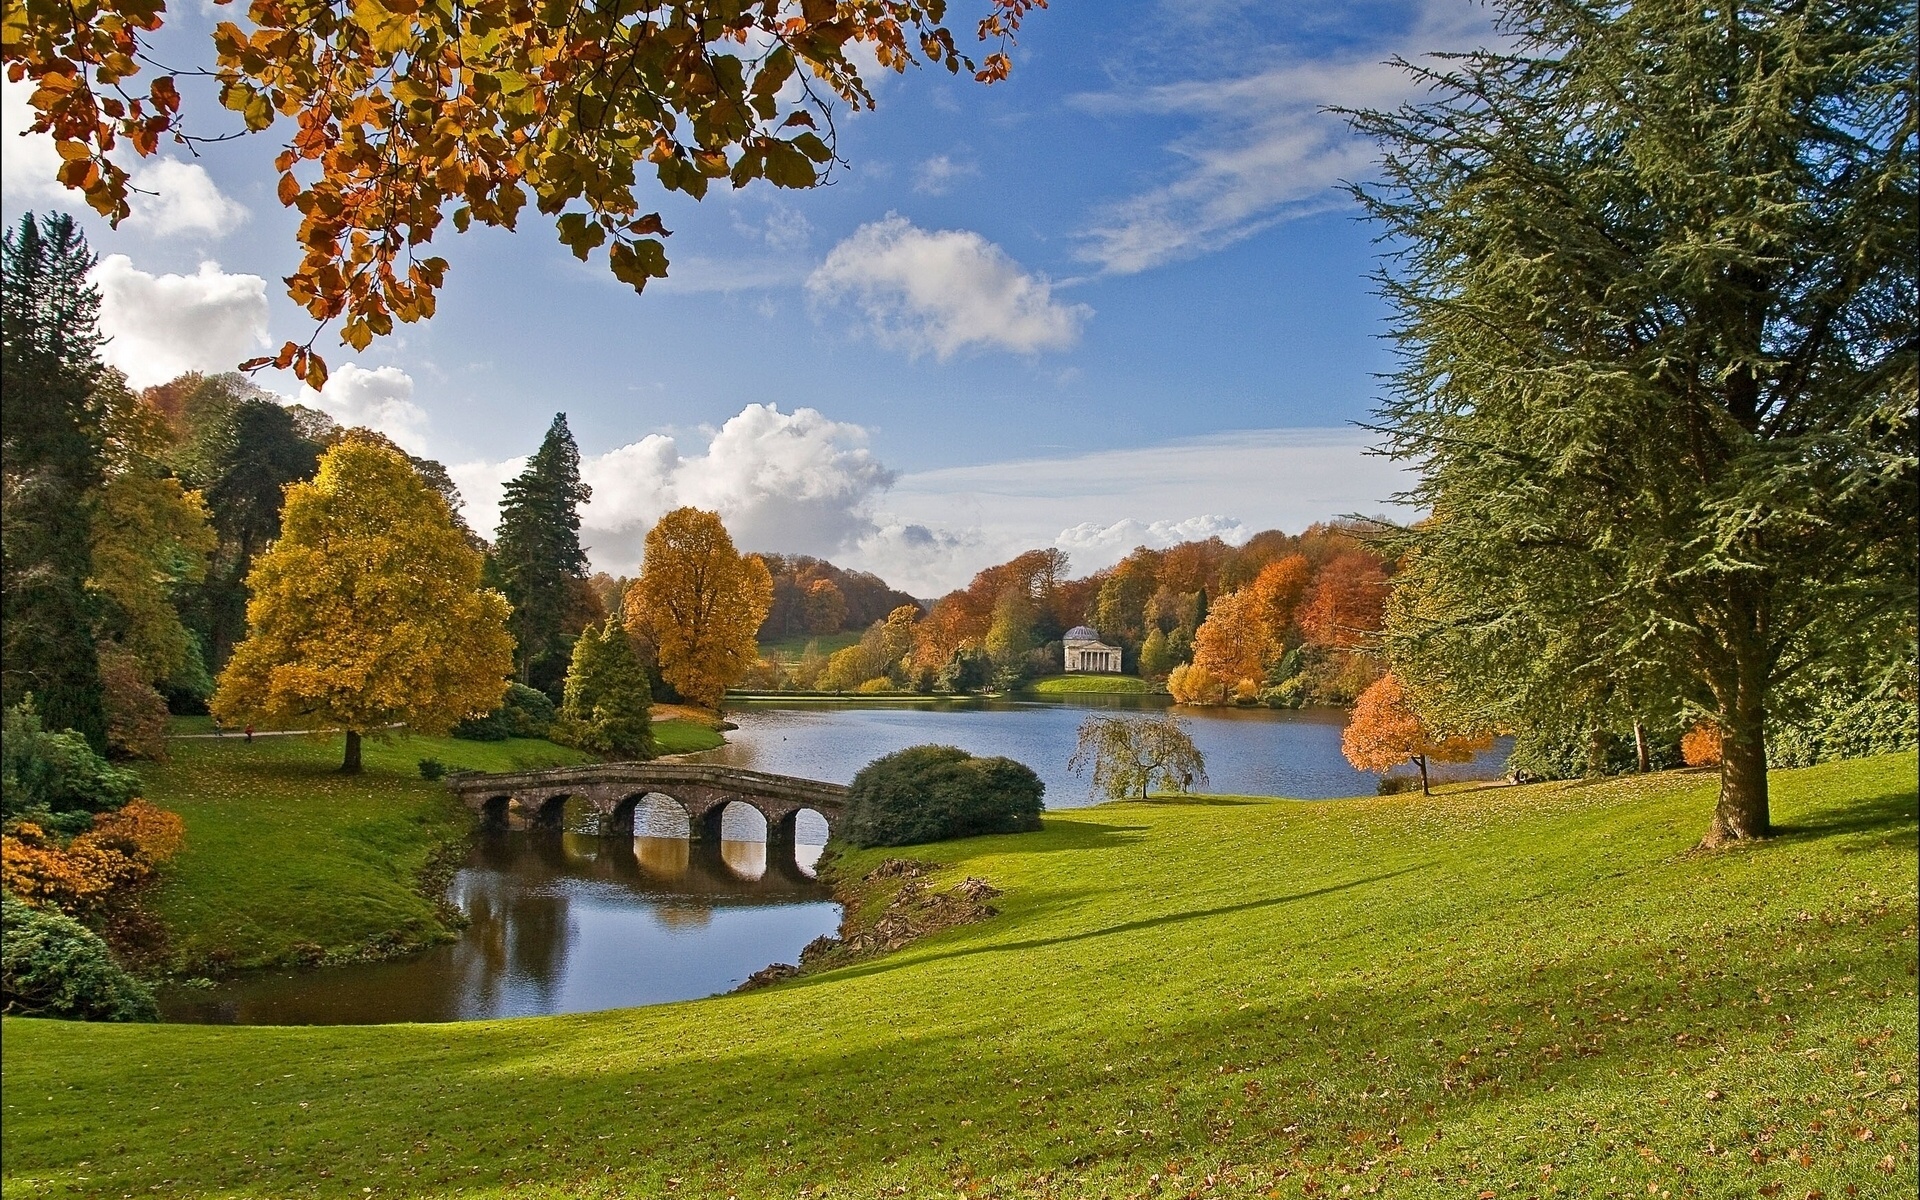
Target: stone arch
[(739, 819), (494, 812), (652, 814), (550, 811)]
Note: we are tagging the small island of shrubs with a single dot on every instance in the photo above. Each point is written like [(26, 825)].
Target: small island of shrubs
[(932, 793)]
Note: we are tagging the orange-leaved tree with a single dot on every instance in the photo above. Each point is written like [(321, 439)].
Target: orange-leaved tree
[(368, 610), (1278, 591), (700, 602), (1347, 605), (1385, 730), (1232, 643), (406, 114)]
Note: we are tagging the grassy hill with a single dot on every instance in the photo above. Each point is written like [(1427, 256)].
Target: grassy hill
[(1079, 685), (1526, 991)]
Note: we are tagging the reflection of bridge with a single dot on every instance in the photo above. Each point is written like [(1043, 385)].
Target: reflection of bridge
[(537, 799)]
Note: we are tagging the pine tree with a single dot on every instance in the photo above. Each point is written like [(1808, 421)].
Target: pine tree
[(538, 554), (51, 459), (609, 702)]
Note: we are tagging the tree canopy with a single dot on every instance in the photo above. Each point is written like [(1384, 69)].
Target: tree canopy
[(368, 610), (406, 114), (1654, 278), (1386, 730), (1126, 756), (701, 602)]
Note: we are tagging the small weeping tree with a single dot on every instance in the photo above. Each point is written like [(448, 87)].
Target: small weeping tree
[(367, 612), (1127, 756)]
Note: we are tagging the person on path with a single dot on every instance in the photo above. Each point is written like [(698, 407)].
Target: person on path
[(249, 735)]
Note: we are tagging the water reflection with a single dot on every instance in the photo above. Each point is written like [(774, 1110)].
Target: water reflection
[(561, 922)]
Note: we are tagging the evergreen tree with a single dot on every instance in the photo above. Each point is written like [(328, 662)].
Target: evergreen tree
[(51, 460), (537, 552), (608, 704)]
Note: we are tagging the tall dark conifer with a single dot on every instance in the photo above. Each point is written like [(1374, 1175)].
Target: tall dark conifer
[(538, 556), (51, 460)]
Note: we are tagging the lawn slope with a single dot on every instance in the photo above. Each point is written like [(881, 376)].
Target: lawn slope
[(1084, 685), (1524, 991)]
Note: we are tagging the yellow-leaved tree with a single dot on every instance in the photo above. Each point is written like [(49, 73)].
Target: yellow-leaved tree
[(367, 611), (700, 602)]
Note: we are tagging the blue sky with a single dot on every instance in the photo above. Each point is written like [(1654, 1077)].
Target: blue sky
[(1116, 300)]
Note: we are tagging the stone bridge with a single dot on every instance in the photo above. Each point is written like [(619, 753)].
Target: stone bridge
[(537, 799)]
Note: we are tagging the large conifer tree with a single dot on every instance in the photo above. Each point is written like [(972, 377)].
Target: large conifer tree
[(51, 459), (537, 553), (1655, 275)]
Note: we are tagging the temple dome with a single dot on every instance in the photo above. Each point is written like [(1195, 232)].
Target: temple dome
[(1081, 633)]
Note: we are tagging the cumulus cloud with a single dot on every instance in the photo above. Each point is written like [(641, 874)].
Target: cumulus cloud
[(169, 198), (936, 176), (1262, 147), (380, 399), (174, 198), (160, 326), (1091, 541), (944, 291), (796, 483)]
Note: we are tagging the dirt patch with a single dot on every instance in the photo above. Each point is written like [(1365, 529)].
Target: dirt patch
[(911, 910)]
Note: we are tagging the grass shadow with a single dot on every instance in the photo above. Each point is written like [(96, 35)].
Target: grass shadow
[(1878, 822)]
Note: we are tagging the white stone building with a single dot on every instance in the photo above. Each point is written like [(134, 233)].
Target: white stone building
[(1086, 652)]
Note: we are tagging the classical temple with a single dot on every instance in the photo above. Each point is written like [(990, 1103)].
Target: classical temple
[(1086, 652)]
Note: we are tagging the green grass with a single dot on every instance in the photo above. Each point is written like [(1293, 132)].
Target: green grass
[(286, 858), (1525, 991), (1075, 685), (789, 650), (684, 737)]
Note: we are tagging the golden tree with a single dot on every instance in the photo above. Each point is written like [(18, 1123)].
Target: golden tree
[(368, 610), (700, 602), (1385, 731), (1231, 645)]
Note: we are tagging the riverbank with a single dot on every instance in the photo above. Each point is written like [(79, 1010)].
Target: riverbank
[(1525, 990)]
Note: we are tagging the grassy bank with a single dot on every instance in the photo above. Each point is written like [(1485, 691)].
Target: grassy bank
[(1080, 685), (1525, 991), (790, 650), (685, 737), (286, 859)]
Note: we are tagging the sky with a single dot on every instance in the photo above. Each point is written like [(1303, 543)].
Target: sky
[(1120, 299)]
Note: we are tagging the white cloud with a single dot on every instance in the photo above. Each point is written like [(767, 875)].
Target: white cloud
[(27, 161), (1091, 541), (945, 291), (168, 197), (796, 483), (160, 326), (182, 200), (936, 176), (380, 399), (1264, 149)]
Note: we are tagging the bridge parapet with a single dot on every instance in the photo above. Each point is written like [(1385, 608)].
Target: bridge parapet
[(528, 799)]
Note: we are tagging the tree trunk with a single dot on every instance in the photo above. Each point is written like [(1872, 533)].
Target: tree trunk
[(352, 765), (1742, 812), (1642, 758), (1422, 760)]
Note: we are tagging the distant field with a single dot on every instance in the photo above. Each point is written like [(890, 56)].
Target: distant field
[(1073, 685), (790, 650)]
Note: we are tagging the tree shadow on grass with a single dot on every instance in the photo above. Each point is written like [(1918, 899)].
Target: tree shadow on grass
[(891, 962), (1886, 821)]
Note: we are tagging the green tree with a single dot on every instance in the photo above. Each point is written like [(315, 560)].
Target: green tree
[(1155, 658), (51, 459), (367, 611), (1010, 636), (538, 554), (1129, 755), (1655, 297), (608, 699)]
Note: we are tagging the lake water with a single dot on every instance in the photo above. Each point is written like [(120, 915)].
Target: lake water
[(562, 922), (1249, 751)]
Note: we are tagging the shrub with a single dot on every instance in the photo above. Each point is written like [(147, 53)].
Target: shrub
[(53, 966), (1701, 746), (45, 772), (524, 712), (931, 793), (119, 852), (136, 712), (432, 768)]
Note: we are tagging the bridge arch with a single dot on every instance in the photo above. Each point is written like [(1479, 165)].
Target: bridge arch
[(702, 790), (652, 814), (496, 811)]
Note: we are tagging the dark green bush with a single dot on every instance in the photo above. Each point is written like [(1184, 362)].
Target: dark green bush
[(524, 712), (52, 773), (432, 768), (931, 793), (53, 966)]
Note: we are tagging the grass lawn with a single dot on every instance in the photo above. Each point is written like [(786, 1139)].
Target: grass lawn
[(1524, 991), (286, 858), (685, 737), (789, 650), (1076, 685)]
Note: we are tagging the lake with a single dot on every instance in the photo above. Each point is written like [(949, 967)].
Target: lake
[(1249, 751)]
